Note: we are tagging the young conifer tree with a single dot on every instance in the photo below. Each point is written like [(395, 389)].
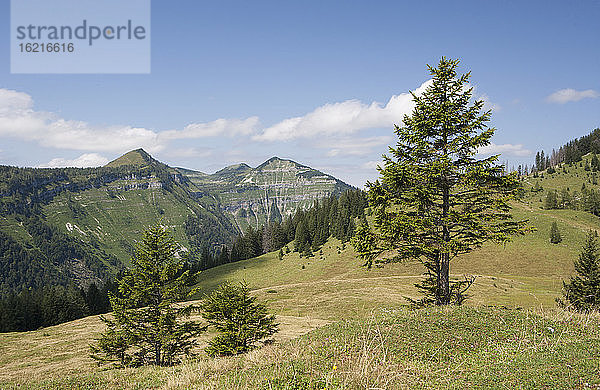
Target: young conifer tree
[(146, 325), (435, 199), (583, 290), (551, 201), (240, 320), (555, 236)]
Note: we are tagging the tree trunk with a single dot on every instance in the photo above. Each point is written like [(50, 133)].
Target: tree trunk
[(444, 258), (157, 355), (444, 279), (444, 266)]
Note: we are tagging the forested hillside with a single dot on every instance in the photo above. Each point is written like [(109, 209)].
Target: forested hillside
[(61, 226), (573, 151), (78, 226), (568, 178)]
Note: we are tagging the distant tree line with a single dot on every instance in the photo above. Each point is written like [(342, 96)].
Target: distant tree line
[(309, 229), (41, 254), (585, 200), (52, 305), (44, 262), (205, 232), (571, 152)]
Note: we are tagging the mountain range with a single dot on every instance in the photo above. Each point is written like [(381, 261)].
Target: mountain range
[(78, 225)]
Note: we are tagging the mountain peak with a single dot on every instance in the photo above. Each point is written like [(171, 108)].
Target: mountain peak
[(137, 157), (277, 160), (234, 168)]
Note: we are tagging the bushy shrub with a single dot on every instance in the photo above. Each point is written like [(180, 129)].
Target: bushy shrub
[(241, 321)]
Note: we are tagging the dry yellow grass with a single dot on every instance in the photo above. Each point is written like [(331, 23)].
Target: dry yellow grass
[(63, 350), (48, 353)]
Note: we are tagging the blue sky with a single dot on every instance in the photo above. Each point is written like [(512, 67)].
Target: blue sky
[(319, 82)]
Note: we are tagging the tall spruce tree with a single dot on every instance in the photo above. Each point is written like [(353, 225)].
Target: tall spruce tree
[(542, 161), (434, 199), (583, 290), (146, 325)]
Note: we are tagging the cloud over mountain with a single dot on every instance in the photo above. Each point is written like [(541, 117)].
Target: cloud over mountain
[(86, 160), (352, 131), (342, 118)]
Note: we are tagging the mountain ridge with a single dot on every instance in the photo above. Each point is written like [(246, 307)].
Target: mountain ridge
[(77, 225), (249, 195)]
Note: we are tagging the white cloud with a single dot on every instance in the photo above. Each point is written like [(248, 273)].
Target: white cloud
[(86, 160), (235, 152), (372, 164), (488, 104), (571, 95), (189, 152), (12, 101), (355, 146), (343, 118), (506, 149), (337, 130), (19, 120), (78, 135), (219, 127)]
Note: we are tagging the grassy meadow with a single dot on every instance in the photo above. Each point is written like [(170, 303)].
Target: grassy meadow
[(344, 326), (527, 272), (454, 347), (347, 327)]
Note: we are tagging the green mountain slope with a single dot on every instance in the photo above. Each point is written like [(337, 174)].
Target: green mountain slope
[(366, 338), (369, 327), (527, 272), (81, 225), (77, 225), (270, 191), (573, 177)]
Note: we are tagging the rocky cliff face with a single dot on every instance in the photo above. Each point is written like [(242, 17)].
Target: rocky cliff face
[(268, 192), (77, 225)]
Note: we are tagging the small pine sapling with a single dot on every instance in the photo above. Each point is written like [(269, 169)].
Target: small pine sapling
[(241, 321)]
